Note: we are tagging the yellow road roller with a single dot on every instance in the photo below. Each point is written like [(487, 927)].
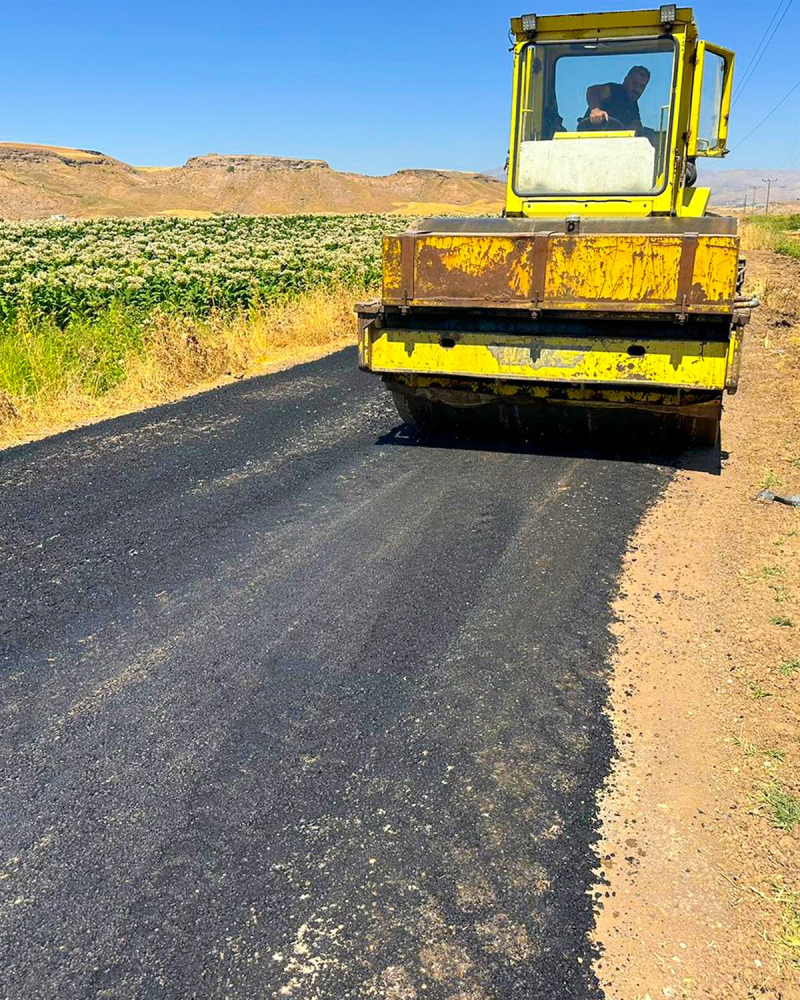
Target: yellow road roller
[(606, 286)]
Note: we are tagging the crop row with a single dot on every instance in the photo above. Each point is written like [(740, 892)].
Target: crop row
[(79, 268)]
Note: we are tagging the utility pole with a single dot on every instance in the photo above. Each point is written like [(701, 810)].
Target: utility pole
[(753, 189), (769, 181), (744, 206)]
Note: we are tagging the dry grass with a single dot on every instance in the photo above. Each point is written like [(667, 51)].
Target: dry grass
[(771, 232), (183, 213), (182, 355), (69, 151), (789, 940), (755, 237), (483, 206), (778, 285)]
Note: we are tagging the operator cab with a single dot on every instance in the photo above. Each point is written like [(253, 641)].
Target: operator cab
[(606, 113)]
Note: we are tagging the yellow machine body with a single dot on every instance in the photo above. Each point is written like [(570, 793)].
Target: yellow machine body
[(678, 274), (619, 298), (685, 364)]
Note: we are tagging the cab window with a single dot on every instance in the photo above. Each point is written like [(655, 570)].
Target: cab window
[(594, 117), (711, 102)]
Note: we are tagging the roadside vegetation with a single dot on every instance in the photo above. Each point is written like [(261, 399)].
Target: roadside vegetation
[(780, 233), (106, 316)]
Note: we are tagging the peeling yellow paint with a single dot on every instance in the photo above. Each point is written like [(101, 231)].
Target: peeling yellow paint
[(613, 268), (676, 363), (392, 265), (633, 273), (469, 254), (715, 265), (460, 264)]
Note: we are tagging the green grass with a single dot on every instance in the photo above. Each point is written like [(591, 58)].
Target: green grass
[(769, 481), (37, 355), (766, 573), (789, 667), (122, 360), (750, 749), (757, 692), (780, 593), (784, 805), (782, 620), (777, 227)]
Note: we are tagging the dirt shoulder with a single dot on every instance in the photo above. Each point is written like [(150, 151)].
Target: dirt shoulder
[(700, 885)]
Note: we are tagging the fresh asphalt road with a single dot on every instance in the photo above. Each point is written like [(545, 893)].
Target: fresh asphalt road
[(294, 705)]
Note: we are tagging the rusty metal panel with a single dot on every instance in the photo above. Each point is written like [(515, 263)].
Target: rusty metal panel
[(408, 250), (597, 272), (715, 269), (495, 269), (618, 269), (686, 268), (541, 252), (708, 225), (392, 268)]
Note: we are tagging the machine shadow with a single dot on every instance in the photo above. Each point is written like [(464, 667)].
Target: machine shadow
[(605, 446)]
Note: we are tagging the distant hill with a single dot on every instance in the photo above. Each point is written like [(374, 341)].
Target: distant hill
[(728, 187), (37, 181), (40, 181)]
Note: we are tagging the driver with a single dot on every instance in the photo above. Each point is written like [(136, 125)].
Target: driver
[(618, 101)]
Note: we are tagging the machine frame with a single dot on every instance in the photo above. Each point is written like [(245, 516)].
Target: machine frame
[(614, 301)]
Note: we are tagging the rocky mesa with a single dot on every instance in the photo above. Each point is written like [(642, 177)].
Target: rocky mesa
[(37, 181)]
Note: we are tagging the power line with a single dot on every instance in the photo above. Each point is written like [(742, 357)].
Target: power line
[(764, 34), (769, 114), (790, 155), (758, 47), (759, 56)]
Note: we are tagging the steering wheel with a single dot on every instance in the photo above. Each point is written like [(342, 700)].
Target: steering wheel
[(612, 125)]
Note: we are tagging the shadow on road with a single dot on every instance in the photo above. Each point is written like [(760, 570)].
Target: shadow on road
[(604, 446)]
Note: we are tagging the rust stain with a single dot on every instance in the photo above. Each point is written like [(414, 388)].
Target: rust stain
[(634, 273), (491, 267), (392, 266)]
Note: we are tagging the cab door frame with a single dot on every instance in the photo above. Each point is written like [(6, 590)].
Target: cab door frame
[(695, 139)]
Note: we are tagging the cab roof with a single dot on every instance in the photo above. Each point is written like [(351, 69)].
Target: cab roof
[(657, 20)]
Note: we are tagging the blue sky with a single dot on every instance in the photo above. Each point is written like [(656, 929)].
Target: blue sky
[(368, 86)]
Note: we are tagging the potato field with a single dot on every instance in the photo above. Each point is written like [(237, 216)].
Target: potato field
[(76, 269), (107, 315)]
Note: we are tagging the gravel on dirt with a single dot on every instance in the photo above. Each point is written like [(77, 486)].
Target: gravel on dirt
[(703, 885)]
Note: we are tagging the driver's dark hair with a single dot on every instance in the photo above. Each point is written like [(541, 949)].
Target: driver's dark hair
[(639, 69)]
